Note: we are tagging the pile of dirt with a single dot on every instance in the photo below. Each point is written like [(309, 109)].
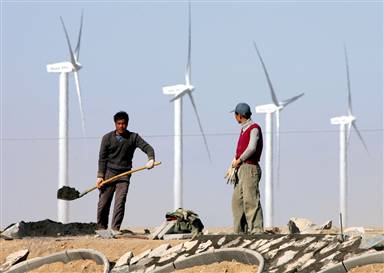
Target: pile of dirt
[(50, 228)]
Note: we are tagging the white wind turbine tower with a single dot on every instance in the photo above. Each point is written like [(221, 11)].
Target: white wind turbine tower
[(268, 110), (178, 91), (64, 68), (344, 122)]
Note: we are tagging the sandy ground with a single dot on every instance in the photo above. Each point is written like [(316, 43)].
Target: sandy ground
[(372, 268), (223, 267)]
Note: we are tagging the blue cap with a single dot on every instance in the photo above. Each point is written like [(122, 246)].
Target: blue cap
[(243, 109)]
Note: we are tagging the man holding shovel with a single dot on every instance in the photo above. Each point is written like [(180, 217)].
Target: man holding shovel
[(115, 157)]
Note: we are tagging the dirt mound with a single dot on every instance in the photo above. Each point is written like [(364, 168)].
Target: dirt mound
[(50, 228)]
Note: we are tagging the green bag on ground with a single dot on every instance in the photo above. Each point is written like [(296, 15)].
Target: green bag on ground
[(187, 221)]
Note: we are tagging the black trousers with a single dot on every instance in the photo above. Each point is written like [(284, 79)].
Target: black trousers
[(120, 188)]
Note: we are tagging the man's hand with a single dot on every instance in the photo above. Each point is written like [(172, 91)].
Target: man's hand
[(150, 164), (236, 163), (99, 181)]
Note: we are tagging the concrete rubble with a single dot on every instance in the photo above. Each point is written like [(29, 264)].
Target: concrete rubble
[(13, 259), (281, 253)]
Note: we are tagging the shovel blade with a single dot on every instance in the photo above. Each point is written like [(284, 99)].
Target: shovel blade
[(67, 193)]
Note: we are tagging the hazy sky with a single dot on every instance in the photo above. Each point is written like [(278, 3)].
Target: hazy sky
[(130, 49)]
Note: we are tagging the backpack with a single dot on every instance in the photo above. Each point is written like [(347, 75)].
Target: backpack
[(187, 221)]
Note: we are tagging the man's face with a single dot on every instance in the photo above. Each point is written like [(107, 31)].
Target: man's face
[(121, 126), (238, 117)]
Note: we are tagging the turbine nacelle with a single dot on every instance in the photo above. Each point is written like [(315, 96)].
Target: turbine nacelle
[(342, 120), (63, 67), (268, 108), (178, 90)]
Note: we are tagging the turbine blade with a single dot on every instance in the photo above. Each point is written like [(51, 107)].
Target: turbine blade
[(80, 101), (200, 126), (73, 60), (348, 83), (278, 148), (273, 94), (77, 49), (188, 68), (288, 101), (360, 136)]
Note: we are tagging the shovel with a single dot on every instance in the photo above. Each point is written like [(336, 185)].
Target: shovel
[(69, 194)]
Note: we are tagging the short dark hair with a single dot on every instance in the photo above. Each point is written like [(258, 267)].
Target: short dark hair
[(121, 115)]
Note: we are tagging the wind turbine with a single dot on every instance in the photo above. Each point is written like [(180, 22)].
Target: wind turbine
[(64, 68), (178, 92), (268, 109), (345, 123)]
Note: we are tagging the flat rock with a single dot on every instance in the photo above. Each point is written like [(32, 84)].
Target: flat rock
[(14, 258), (125, 259), (180, 236), (142, 255), (159, 251), (287, 256)]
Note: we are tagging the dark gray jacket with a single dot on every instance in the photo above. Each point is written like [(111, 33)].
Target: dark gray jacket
[(116, 153)]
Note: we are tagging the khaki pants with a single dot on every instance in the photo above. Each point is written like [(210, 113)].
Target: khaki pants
[(246, 207)]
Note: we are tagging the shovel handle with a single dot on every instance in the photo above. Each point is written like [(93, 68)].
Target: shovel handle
[(109, 180)]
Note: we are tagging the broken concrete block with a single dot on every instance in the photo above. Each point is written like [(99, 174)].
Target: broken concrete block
[(176, 249), (232, 243), (221, 241), (105, 233), (287, 244), (14, 258), (167, 229), (316, 246), (125, 259), (159, 251), (180, 236), (354, 231), (14, 231), (299, 262), (302, 223), (306, 264), (265, 247), (287, 256), (329, 248), (271, 254), (155, 234), (246, 243), (203, 246), (142, 255), (189, 245), (304, 241), (258, 243), (167, 257)]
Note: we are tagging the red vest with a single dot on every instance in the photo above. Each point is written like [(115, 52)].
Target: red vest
[(243, 142)]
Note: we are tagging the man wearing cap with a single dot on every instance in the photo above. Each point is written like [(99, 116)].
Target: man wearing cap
[(246, 206), (115, 157)]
